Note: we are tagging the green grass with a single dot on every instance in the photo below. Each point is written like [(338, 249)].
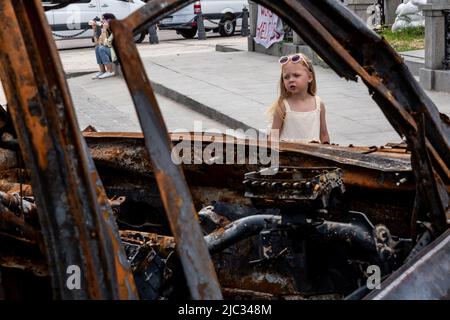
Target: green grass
[(405, 40)]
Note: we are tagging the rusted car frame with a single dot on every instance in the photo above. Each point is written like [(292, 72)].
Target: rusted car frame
[(75, 216)]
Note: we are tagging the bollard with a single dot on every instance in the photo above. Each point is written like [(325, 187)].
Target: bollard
[(200, 27), (245, 31), (200, 24), (153, 35)]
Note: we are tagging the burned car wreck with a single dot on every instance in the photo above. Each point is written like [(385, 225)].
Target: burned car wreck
[(136, 225)]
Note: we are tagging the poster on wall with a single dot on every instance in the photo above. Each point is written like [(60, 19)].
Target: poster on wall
[(269, 28)]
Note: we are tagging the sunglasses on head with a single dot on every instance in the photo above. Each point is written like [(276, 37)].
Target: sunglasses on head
[(296, 58)]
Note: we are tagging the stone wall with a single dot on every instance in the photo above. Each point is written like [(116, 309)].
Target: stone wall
[(435, 75), (359, 7), (389, 10)]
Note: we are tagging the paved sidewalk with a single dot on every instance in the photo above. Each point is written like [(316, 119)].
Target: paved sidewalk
[(83, 60), (108, 107), (415, 60)]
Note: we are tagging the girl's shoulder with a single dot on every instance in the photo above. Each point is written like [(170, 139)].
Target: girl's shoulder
[(318, 99), (319, 102)]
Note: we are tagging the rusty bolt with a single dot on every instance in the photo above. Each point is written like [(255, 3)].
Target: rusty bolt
[(274, 185), (401, 181)]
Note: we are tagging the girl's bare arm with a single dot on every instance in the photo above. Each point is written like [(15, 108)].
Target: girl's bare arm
[(277, 122), (324, 137)]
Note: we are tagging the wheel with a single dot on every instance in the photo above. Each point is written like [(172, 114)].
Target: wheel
[(227, 26), (138, 38), (188, 34)]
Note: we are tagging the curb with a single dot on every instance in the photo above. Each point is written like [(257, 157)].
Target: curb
[(76, 74), (414, 64), (186, 101), (226, 48), (199, 107)]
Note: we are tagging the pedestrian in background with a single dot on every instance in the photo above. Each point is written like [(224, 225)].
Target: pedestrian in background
[(104, 52), (153, 34), (298, 113)]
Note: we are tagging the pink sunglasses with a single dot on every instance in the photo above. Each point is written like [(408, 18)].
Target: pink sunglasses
[(296, 58)]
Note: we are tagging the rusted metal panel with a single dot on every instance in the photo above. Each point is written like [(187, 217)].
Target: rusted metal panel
[(119, 156), (72, 219), (351, 156), (426, 277), (380, 170)]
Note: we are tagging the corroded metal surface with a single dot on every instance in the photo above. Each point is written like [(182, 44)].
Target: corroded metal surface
[(423, 278), (123, 155), (378, 170), (71, 214)]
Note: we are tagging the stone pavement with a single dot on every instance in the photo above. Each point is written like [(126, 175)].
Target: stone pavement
[(232, 88), (241, 85), (83, 60), (108, 107), (415, 60)]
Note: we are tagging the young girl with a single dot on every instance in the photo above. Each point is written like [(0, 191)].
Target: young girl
[(298, 114)]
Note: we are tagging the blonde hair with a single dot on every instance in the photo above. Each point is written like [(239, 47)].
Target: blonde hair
[(284, 94)]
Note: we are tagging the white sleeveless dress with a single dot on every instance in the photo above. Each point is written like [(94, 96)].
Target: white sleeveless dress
[(301, 126)]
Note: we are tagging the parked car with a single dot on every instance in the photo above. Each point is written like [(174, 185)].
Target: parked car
[(72, 20), (219, 16)]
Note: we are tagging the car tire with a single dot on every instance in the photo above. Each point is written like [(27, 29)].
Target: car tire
[(189, 33), (227, 26), (138, 38)]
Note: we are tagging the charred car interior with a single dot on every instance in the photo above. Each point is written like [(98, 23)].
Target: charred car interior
[(139, 226)]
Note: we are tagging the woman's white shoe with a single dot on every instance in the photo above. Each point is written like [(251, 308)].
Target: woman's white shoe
[(107, 74), (97, 75)]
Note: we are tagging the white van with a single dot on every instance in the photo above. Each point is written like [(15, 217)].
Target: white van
[(218, 16), (72, 21)]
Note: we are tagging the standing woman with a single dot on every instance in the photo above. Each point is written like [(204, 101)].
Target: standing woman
[(104, 51)]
